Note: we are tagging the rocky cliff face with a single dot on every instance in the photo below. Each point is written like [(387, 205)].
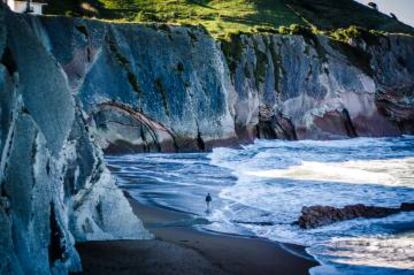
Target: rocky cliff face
[(69, 86), (54, 186), (311, 87), (145, 87), (167, 88)]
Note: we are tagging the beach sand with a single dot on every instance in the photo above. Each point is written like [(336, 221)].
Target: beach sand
[(180, 249)]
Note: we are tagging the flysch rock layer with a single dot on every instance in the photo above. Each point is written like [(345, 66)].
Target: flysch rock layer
[(54, 187), (158, 87), (70, 87)]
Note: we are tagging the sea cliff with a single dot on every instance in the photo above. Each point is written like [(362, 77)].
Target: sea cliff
[(70, 87), (156, 87)]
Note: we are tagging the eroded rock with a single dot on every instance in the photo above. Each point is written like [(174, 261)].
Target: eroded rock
[(207, 93), (67, 84), (317, 216), (54, 186)]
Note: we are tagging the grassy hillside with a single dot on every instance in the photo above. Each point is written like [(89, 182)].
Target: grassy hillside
[(221, 17)]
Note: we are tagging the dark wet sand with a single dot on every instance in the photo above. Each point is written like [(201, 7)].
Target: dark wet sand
[(180, 249)]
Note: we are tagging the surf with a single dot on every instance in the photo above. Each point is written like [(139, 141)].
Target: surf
[(260, 189)]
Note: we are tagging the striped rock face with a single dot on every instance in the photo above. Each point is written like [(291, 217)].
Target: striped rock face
[(156, 87), (53, 180), (70, 87)]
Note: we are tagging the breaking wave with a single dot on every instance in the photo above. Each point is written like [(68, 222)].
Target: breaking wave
[(260, 189)]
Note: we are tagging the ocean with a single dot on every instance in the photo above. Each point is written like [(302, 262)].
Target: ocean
[(260, 189)]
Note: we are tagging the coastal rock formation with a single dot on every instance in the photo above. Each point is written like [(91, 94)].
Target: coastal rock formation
[(145, 87), (71, 86), (155, 87), (317, 216), (324, 89), (54, 186)]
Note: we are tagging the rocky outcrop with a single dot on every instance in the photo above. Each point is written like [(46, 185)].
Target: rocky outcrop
[(317, 216), (324, 89), (394, 73), (54, 186), (167, 88), (145, 87)]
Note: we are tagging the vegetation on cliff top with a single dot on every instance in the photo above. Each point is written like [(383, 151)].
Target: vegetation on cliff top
[(221, 17)]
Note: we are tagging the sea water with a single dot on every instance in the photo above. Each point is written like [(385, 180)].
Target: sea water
[(260, 189)]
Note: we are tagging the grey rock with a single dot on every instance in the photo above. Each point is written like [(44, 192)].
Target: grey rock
[(173, 77), (324, 88), (156, 87), (53, 91), (70, 86), (54, 186)]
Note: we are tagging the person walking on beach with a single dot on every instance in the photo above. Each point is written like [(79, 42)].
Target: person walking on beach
[(208, 200)]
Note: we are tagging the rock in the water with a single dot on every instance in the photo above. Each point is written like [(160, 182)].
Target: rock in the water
[(316, 216), (407, 207)]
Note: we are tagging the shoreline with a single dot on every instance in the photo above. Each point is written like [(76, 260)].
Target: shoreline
[(178, 248), (156, 218)]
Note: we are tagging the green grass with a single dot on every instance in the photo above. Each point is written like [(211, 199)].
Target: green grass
[(224, 17), (334, 14)]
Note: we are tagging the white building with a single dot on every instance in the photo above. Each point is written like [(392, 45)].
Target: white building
[(21, 6)]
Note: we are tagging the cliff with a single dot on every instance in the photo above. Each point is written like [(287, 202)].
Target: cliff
[(145, 87), (54, 186), (161, 87), (70, 86), (314, 87)]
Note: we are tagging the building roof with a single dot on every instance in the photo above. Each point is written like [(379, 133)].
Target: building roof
[(34, 1)]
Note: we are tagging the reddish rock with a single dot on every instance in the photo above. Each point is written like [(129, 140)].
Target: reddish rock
[(316, 216), (407, 207)]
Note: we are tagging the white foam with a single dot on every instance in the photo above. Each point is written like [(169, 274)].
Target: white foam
[(281, 177), (382, 172), (368, 255), (273, 180)]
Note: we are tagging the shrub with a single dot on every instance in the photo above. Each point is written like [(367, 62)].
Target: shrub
[(354, 32), (296, 29)]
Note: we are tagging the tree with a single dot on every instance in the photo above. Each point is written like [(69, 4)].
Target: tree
[(373, 5), (393, 16)]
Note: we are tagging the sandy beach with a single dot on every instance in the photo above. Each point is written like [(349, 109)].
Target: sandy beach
[(180, 249)]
